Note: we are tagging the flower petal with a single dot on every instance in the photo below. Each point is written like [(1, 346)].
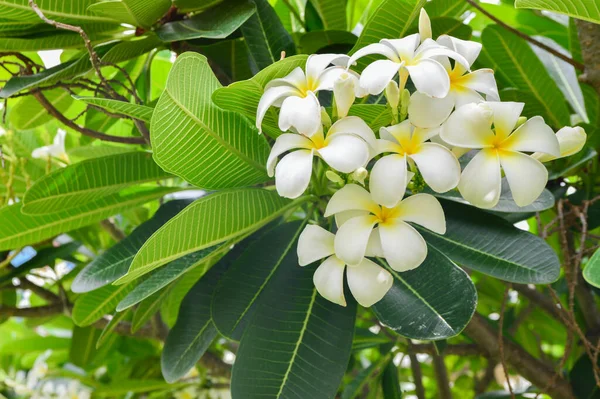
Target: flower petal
[(295, 79), (424, 210), (428, 112), (464, 96), (506, 115), (293, 172), (329, 76), (400, 133), (368, 282), (526, 176), (570, 139), (344, 94), (438, 165), (343, 217), (468, 49), (345, 153), (271, 97), (353, 125), (483, 81), (430, 49), (469, 127), (352, 238), (430, 77), (303, 114), (480, 183), (388, 180), (533, 135), (374, 248), (286, 142), (404, 47), (375, 48), (403, 246), (314, 243), (377, 75), (348, 198), (329, 280), (317, 63)]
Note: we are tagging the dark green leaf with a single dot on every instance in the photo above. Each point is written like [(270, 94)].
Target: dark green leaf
[(355, 389), (92, 306), (332, 13), (312, 42), (83, 345), (136, 111), (390, 383)]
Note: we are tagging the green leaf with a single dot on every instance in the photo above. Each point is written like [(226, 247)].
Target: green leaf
[(376, 116), (332, 13), (110, 327), (123, 387), (366, 376), (244, 96), (92, 306), (194, 5), (518, 64), (67, 10), (148, 308), (591, 273), (312, 42), (90, 180), (419, 307), (486, 243), (265, 36), (568, 166), (114, 262), (170, 307), (18, 230), (51, 40), (587, 10), (240, 288), (297, 343), (215, 23), (211, 220), (83, 346), (390, 383), (208, 139), (142, 13), (232, 57), (29, 114), (450, 26), (446, 8), (33, 344), (136, 111), (391, 20)]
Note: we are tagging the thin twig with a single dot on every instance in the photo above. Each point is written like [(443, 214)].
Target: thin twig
[(501, 341)]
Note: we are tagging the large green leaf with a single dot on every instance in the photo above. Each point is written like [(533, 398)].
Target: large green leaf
[(419, 307), (51, 40), (90, 180), (83, 345), (366, 376), (312, 42), (213, 148), (240, 288), (266, 37), (486, 243), (215, 23), (297, 344), (92, 306), (194, 5), (114, 262), (142, 13), (232, 56), (28, 112), (18, 230), (582, 9), (209, 221), (148, 308), (244, 96), (332, 13), (67, 10), (591, 273), (519, 65), (446, 8), (136, 111)]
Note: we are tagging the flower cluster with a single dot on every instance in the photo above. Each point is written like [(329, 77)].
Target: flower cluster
[(451, 112)]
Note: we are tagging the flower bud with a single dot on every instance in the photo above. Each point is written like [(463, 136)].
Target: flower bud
[(570, 140), (359, 175), (404, 103), (325, 119), (344, 92), (424, 26), (392, 94), (520, 121)]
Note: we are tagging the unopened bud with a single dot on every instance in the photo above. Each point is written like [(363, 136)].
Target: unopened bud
[(570, 140), (392, 94), (325, 119), (344, 93), (424, 26), (520, 121), (334, 177), (359, 175), (404, 103)]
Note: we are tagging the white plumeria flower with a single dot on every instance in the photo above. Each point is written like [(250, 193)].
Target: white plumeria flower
[(55, 150), (470, 126), (361, 220), (296, 93), (465, 87), (438, 165), (406, 57), (346, 147), (345, 91), (368, 281), (570, 140)]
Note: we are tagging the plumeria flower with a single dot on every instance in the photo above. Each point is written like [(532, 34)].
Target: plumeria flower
[(368, 281), (346, 146), (406, 57), (502, 148), (55, 150), (296, 93), (361, 219), (465, 87), (570, 140), (405, 143)]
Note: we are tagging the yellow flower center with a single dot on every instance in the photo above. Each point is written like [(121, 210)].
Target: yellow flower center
[(385, 215)]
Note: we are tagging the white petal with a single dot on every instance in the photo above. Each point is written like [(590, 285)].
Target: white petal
[(388, 180), (59, 141), (400, 133), (329, 280), (329, 76), (295, 79), (424, 25), (465, 96), (293, 172), (42, 152), (317, 63), (303, 114), (353, 125), (345, 153), (427, 112), (533, 135), (343, 217), (430, 77), (430, 49), (403, 246), (404, 47), (376, 75), (480, 183), (570, 139), (314, 243), (284, 143), (352, 238), (344, 94), (526, 176), (368, 282), (269, 98), (348, 198), (506, 115), (468, 49), (375, 48), (469, 127), (483, 81), (374, 248), (438, 165), (424, 210)]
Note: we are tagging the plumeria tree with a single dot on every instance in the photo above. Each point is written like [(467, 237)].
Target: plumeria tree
[(299, 199)]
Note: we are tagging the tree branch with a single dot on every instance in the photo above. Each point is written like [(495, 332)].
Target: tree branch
[(441, 376), (543, 301), (456, 349), (33, 312), (415, 367), (39, 291), (528, 38), (113, 230), (589, 37)]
